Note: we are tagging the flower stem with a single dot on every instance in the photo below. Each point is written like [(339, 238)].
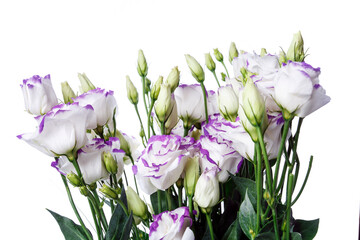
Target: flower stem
[(148, 120), (159, 200), (288, 204), (304, 183), (190, 200), (143, 91), (258, 187), (180, 196), (266, 160), (97, 224), (142, 126), (74, 207), (276, 228), (227, 73), (132, 161), (205, 101), (208, 219), (168, 197), (216, 78)]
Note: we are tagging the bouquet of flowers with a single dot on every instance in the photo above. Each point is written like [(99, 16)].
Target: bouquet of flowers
[(212, 165)]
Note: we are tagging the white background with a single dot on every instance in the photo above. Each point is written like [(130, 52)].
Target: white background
[(101, 38)]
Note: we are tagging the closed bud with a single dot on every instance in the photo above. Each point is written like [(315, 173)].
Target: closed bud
[(156, 88), (142, 67), (192, 172), (233, 52), (74, 179), (109, 192), (263, 52), (282, 57), (85, 83), (67, 92), (253, 103), (173, 79), (218, 55), (173, 118), (147, 85), (163, 104), (132, 93), (196, 70), (228, 103), (207, 191), (84, 191), (296, 49), (124, 145), (209, 62), (223, 76), (135, 204), (142, 132), (109, 162)]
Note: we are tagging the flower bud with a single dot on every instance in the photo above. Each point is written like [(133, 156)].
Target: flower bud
[(173, 118), (192, 172), (263, 52), (109, 192), (142, 67), (253, 103), (109, 162), (228, 103), (296, 49), (84, 191), (135, 204), (207, 191), (223, 76), (173, 79), (218, 55), (85, 83), (74, 179), (67, 92), (282, 57), (163, 104), (209, 62), (147, 85), (156, 88), (195, 68), (124, 145), (132, 93), (233, 52)]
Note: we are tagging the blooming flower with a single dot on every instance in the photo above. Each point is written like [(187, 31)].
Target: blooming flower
[(207, 191), (62, 130), (162, 162), (297, 89), (39, 95), (172, 225)]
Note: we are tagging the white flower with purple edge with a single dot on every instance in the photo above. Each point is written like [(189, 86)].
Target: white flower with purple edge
[(39, 95), (297, 89), (62, 130), (90, 160), (162, 162), (172, 225)]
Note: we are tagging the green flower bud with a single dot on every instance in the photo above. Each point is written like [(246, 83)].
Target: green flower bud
[(109, 192), (156, 88), (173, 79), (135, 204), (124, 145), (223, 76), (84, 191), (233, 52), (74, 179), (163, 104), (109, 162), (142, 67), (67, 92), (142, 132), (85, 83), (132, 93), (218, 55), (147, 85), (296, 49), (192, 173), (253, 103), (173, 118), (209, 62), (282, 57), (263, 52), (195, 68)]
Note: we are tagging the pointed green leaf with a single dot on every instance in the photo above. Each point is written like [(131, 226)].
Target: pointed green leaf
[(233, 232), (248, 217), (243, 184), (70, 230), (307, 229), (296, 236)]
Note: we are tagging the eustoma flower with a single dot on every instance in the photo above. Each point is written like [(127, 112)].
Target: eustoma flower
[(62, 131), (172, 225), (207, 190), (297, 89), (39, 95), (91, 162), (162, 162)]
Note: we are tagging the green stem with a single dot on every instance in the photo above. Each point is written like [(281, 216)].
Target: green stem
[(101, 210), (258, 187), (304, 183), (159, 200), (142, 126), (208, 219), (227, 73), (168, 197), (163, 130), (276, 228), (136, 186), (98, 229), (266, 160), (186, 131), (98, 212), (143, 91), (148, 120), (288, 204), (126, 180), (216, 78), (205, 101), (190, 200), (180, 196), (281, 148), (74, 207)]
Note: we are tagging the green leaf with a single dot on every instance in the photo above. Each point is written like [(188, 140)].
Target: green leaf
[(243, 184), (120, 224), (307, 229), (265, 236), (154, 201), (70, 230), (247, 217), (233, 232), (296, 236)]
